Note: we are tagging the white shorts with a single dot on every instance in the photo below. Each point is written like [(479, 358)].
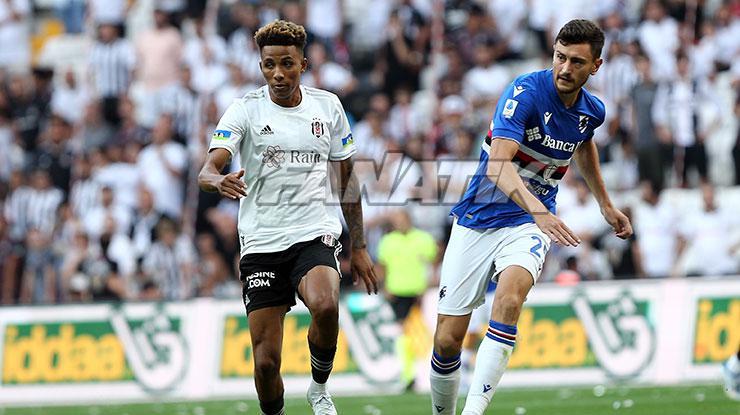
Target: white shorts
[(476, 256)]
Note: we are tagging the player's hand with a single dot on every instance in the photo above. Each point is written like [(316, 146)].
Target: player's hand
[(618, 221), (553, 227), (362, 268), (232, 185)]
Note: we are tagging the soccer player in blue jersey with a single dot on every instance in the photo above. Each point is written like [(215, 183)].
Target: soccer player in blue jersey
[(506, 220)]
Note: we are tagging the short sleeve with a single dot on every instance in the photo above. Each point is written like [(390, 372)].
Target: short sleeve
[(342, 142), (512, 112), (231, 128)]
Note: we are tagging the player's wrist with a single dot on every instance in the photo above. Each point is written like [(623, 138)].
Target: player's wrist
[(359, 246)]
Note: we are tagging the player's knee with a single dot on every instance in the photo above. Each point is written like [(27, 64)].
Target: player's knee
[(325, 310), (267, 365), (508, 305), (447, 343)]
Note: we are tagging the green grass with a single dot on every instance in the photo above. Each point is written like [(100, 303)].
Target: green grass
[(617, 400)]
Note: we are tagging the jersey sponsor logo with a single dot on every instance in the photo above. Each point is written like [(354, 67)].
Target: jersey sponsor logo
[(533, 134), (582, 123), (267, 131), (547, 117), (317, 127), (273, 156), (301, 157), (509, 108), (348, 140), (518, 90), (259, 279), (221, 135)]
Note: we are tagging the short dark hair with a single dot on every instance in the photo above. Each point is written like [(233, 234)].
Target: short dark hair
[(281, 33), (582, 31)]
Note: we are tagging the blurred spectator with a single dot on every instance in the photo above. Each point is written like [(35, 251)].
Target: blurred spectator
[(485, 81), (118, 169), (86, 192), (159, 58), (658, 35), (170, 262), (205, 55), (162, 166), (112, 62), (129, 130), (326, 74), (736, 148), (99, 215), (12, 157), (33, 207), (39, 276), (87, 275), (144, 220), (654, 157), (476, 31), (242, 49), (15, 45), (55, 154), (655, 228), (213, 270), (324, 19), (677, 113), (68, 98), (406, 255), (95, 132), (181, 102), (708, 239)]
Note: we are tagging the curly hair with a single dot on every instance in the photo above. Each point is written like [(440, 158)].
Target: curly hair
[(281, 33)]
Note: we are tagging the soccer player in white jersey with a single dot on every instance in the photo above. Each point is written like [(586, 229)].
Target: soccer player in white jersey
[(286, 135), (506, 220)]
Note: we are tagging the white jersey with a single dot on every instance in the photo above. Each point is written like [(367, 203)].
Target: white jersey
[(284, 152)]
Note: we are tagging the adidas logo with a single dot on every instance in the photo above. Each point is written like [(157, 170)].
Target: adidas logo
[(267, 131)]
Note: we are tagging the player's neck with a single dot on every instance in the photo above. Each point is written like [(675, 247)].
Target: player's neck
[(293, 101), (569, 99)]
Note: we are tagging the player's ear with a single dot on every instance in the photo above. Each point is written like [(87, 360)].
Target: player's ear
[(304, 65), (597, 65)]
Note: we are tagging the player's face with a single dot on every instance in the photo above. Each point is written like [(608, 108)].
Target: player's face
[(572, 66), (282, 66)]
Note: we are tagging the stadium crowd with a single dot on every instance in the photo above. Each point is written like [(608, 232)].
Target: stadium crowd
[(104, 126)]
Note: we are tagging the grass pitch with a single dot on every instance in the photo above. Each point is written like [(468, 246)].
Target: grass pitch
[(616, 400)]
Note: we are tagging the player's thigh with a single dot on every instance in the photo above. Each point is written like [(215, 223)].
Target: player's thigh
[(524, 246), (316, 273), (265, 282), (466, 269)]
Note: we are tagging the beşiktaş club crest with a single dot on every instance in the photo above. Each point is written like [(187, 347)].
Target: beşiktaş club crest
[(317, 127)]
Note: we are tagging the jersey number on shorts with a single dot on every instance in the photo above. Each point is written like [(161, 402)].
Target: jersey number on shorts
[(537, 246)]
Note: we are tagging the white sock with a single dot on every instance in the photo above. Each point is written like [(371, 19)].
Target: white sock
[(733, 364), (490, 364), (315, 388), (445, 379)]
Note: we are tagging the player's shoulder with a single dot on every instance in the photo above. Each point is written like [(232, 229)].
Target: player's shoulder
[(528, 84), (593, 105), (255, 95), (321, 95)]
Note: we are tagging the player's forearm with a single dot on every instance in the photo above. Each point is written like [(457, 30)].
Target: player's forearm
[(351, 202), (587, 159), (503, 174), (208, 179)]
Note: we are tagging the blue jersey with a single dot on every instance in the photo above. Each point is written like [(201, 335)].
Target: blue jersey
[(531, 113)]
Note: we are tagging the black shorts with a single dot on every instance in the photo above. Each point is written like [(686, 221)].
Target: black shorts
[(271, 279)]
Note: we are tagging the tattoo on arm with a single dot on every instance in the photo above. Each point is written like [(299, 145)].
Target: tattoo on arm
[(351, 202)]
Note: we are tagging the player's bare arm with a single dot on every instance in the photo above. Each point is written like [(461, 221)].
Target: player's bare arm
[(587, 159), (210, 178), (503, 174), (351, 202)]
